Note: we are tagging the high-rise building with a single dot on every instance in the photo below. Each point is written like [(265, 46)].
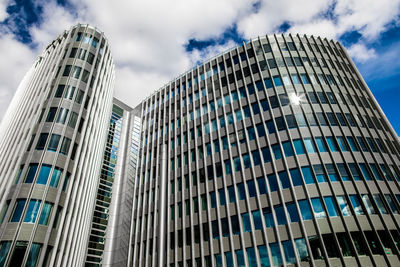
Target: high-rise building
[(272, 153), (51, 149)]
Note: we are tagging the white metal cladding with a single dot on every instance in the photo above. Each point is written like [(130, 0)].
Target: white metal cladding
[(94, 78), (303, 67)]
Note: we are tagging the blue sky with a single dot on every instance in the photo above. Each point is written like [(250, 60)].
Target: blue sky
[(151, 46)]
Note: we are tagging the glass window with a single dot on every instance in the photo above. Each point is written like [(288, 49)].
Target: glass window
[(296, 177), (319, 173), (308, 176), (276, 254), (332, 143), (292, 210), (344, 175), (51, 114), (280, 214), (342, 143), (284, 179), (318, 207), (32, 211), (287, 148), (264, 259), (352, 143), (30, 175), (331, 206), (257, 220), (355, 201), (376, 172), (42, 141), (302, 250), (45, 214), (251, 187), (222, 200), (344, 207), (354, 171), (264, 105), (289, 252), (266, 154), (273, 183), (277, 151), (321, 144), (262, 186), (269, 220), (391, 203), (43, 174), (246, 222), (18, 209), (242, 192), (332, 174), (301, 121), (368, 204), (53, 143), (55, 177), (309, 145), (365, 172), (240, 258), (65, 145), (299, 147)]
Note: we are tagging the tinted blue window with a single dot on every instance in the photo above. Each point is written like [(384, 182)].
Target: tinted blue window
[(222, 200), (277, 81), (318, 208), (276, 254), (251, 256), (236, 162), (231, 191), (308, 176), (280, 214), (277, 151), (287, 148), (256, 108), (299, 147), (246, 111), (301, 248), (331, 206), (260, 130), (375, 171), (259, 85), (293, 214), (352, 143), (31, 173), (320, 144), (241, 190), (305, 210), (218, 260), (269, 220), (270, 126), (238, 115), (246, 222), (266, 154), (250, 88), (251, 133), (222, 122), (284, 178), (32, 211), (296, 177), (257, 220), (246, 161), (332, 144), (240, 258), (19, 207), (268, 83), (264, 259), (228, 168), (289, 252), (262, 186), (273, 183), (309, 145), (45, 214), (213, 200), (342, 143), (264, 105), (251, 187), (256, 157), (304, 78), (43, 174), (355, 201), (364, 170), (354, 172), (229, 258)]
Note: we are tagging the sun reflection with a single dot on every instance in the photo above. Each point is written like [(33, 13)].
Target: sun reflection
[(296, 99)]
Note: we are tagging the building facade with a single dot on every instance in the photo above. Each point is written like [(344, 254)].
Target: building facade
[(272, 153), (278, 154), (52, 141)]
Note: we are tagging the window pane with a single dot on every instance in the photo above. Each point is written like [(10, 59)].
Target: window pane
[(368, 204), (344, 207), (331, 206), (42, 141), (33, 209), (293, 214), (246, 222), (273, 183), (296, 177), (308, 176), (55, 177), (380, 204), (257, 220), (43, 174), (264, 259), (45, 214), (31, 173), (53, 143), (289, 252), (284, 179), (19, 207), (301, 248), (269, 220), (309, 145), (277, 151), (318, 208), (262, 186), (287, 148), (320, 144), (299, 147), (276, 254), (280, 214), (240, 258)]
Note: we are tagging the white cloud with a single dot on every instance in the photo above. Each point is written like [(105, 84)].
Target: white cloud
[(148, 37), (359, 52)]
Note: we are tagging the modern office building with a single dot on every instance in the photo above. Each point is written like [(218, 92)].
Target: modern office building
[(51, 150), (272, 153)]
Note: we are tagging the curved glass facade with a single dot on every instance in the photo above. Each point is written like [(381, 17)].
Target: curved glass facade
[(278, 154), (57, 118)]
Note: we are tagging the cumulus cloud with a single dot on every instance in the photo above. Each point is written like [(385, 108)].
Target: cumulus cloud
[(148, 38)]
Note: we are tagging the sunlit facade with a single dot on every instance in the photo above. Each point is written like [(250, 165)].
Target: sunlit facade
[(278, 154)]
